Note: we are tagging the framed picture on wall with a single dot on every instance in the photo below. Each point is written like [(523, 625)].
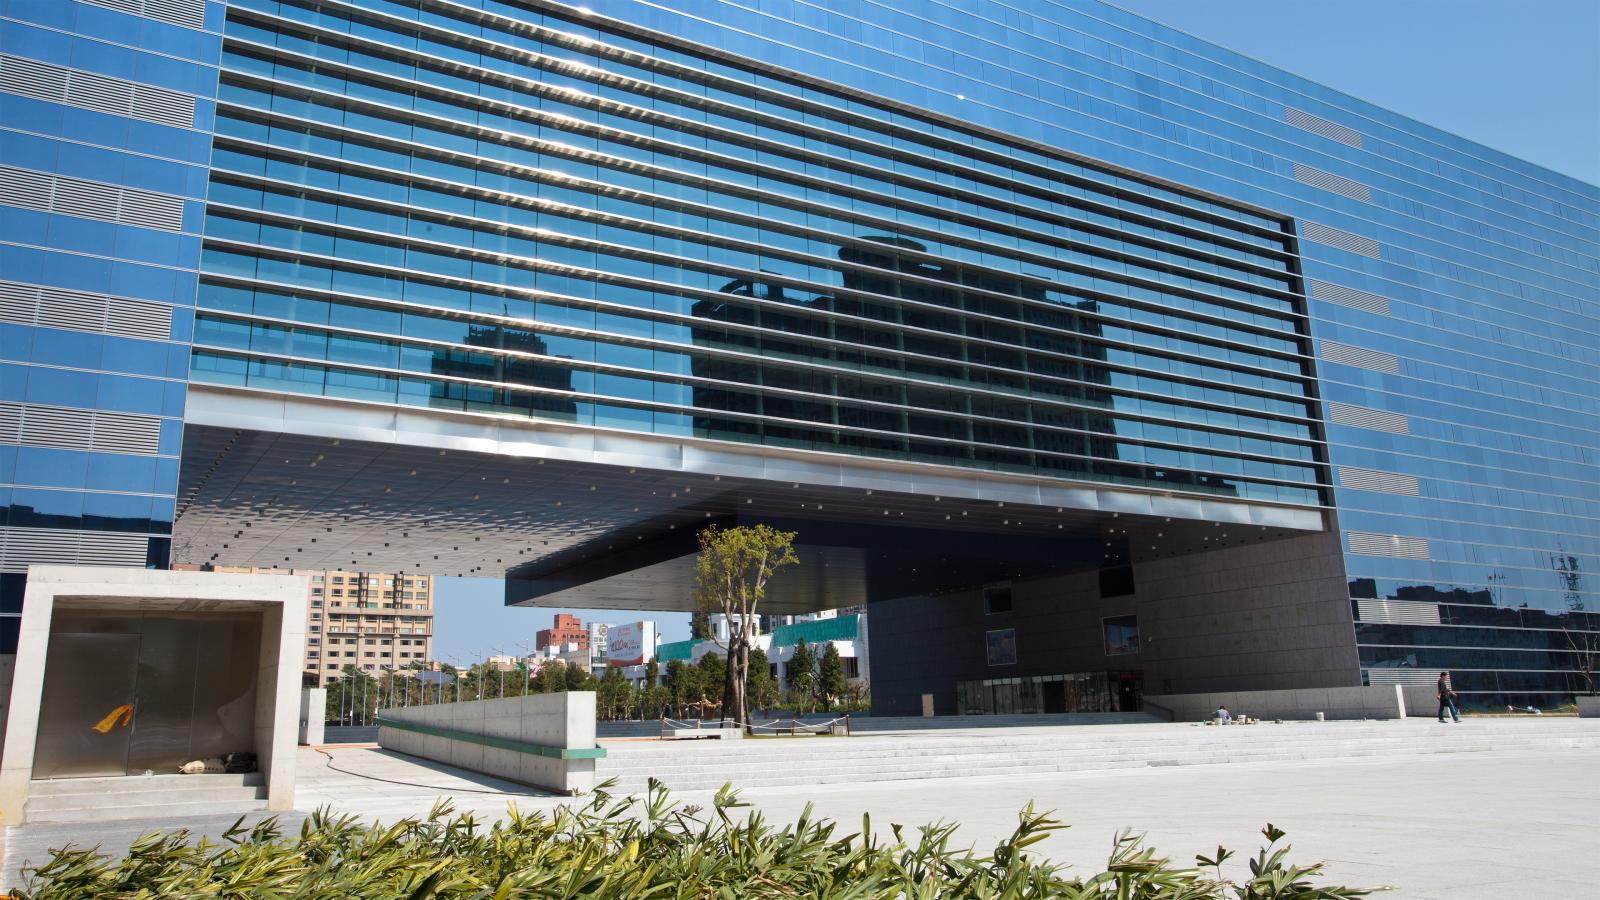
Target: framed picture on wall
[(1121, 634), (1002, 646)]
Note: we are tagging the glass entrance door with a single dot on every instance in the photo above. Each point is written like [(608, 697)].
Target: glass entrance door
[(87, 705), (126, 694)]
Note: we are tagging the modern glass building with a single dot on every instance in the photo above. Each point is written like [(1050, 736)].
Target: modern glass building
[(106, 116), (1049, 321)]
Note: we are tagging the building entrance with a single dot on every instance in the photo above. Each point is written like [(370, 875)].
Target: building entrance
[(128, 693), (1069, 693)]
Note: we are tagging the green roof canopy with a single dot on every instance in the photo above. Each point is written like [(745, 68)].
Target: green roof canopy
[(675, 650), (839, 628)]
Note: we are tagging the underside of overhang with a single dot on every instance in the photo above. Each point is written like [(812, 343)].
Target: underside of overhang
[(609, 520)]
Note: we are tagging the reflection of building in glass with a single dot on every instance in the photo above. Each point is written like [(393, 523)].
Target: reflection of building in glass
[(1017, 385)]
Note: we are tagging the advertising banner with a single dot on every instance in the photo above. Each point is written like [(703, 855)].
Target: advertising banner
[(631, 644)]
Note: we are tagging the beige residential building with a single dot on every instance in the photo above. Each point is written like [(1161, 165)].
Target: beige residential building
[(371, 620)]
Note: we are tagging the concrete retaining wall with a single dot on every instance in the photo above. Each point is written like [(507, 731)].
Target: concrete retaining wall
[(545, 740), (1375, 702), (1589, 707)]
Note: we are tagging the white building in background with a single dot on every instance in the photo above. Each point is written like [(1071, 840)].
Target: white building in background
[(569, 654), (597, 640), (845, 630), (502, 663)]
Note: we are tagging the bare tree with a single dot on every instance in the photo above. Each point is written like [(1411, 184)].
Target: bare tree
[(1585, 646), (731, 575)]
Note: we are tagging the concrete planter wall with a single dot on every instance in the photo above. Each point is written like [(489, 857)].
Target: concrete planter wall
[(1375, 702), (1588, 707), (544, 740)]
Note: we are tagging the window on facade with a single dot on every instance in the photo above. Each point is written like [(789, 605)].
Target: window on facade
[(1116, 581), (996, 598), (1001, 647), (1122, 635)]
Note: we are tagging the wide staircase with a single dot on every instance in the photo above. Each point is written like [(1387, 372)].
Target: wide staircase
[(689, 765), (69, 800), (869, 724)]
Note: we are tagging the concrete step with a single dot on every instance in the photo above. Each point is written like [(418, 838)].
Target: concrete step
[(865, 724), (125, 784), (714, 781), (623, 759), (1063, 761), (158, 810), (760, 764), (70, 800)]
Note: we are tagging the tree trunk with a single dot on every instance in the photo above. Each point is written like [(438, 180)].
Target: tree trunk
[(731, 680), (741, 686)]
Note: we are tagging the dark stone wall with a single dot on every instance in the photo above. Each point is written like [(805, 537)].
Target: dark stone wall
[(1256, 617), (1263, 616)]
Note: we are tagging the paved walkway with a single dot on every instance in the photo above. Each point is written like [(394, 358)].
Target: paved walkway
[(1479, 826)]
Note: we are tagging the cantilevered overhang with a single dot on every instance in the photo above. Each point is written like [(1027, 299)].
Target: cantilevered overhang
[(588, 517)]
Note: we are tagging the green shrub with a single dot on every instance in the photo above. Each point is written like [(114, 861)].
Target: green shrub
[(638, 848)]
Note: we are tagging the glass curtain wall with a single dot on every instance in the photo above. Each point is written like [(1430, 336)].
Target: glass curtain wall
[(431, 205)]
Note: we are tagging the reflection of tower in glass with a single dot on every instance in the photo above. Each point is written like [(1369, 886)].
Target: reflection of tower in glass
[(504, 369), (1570, 571)]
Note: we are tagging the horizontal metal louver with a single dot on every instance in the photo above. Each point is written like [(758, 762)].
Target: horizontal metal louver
[(1377, 361), (1397, 612), (1328, 181), (1318, 125), (151, 211), (1362, 300), (1374, 480), (24, 547), (52, 307), (1366, 543), (188, 13), (24, 188), (36, 425), (1366, 417), (1344, 240), (126, 433), (89, 199), (96, 92), (1401, 676)]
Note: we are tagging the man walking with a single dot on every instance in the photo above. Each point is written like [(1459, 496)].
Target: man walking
[(1447, 698)]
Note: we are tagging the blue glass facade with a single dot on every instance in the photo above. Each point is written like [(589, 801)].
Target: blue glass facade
[(1059, 242), (105, 133)]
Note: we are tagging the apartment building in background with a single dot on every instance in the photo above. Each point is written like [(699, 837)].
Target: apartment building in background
[(371, 620)]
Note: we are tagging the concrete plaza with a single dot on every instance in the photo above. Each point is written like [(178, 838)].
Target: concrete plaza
[(1444, 826)]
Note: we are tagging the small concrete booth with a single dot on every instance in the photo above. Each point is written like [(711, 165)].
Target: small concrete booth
[(124, 672)]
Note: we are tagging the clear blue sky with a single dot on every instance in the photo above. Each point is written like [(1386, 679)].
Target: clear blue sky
[(471, 620), (1521, 77)]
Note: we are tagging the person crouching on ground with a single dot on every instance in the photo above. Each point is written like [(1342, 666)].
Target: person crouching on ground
[(1447, 698), (1222, 716)]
